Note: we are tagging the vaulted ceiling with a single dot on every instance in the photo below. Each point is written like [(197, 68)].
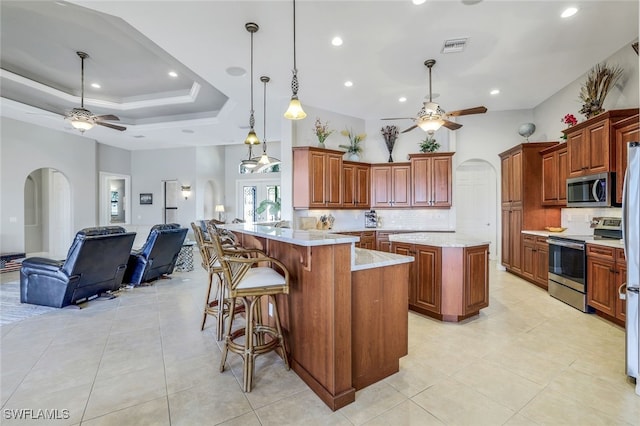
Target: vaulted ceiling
[(522, 48)]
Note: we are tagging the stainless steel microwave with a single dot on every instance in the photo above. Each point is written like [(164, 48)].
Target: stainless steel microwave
[(591, 191)]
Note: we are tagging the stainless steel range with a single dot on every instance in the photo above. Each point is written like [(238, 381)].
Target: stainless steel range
[(568, 261)]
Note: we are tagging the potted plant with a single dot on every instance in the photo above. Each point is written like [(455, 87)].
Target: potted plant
[(353, 149), (429, 144), (271, 207), (322, 132)]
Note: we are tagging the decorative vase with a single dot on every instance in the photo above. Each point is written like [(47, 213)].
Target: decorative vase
[(321, 145), (353, 156), (390, 158)]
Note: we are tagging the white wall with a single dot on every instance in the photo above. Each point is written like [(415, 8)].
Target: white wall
[(149, 169), (25, 148), (548, 115), (113, 160)]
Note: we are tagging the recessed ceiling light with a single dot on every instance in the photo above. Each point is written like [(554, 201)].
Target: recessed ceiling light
[(570, 11), (95, 85), (236, 71), (402, 99), (348, 83), (173, 74), (494, 92), (336, 41), (418, 2)]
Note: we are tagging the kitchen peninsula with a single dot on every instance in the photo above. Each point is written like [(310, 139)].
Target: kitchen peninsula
[(449, 279), (345, 318)]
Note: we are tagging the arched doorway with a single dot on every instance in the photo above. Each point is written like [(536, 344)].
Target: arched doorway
[(48, 218), (476, 198)]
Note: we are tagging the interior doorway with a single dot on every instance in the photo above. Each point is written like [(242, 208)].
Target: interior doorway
[(476, 208), (48, 221), (115, 199)]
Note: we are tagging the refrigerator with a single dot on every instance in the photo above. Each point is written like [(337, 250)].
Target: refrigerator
[(631, 236)]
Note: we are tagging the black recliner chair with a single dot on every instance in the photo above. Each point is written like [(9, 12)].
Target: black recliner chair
[(95, 264), (158, 255)]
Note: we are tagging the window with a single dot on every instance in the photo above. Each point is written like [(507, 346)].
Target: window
[(259, 201)]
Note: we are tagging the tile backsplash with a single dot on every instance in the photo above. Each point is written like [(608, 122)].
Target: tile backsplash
[(578, 220), (415, 219)]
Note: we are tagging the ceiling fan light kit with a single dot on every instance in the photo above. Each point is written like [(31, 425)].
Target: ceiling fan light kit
[(295, 111), (81, 118)]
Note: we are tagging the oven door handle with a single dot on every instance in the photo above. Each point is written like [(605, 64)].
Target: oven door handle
[(576, 246)]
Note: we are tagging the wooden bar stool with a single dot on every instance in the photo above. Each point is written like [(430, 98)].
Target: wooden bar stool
[(248, 282), (211, 264)]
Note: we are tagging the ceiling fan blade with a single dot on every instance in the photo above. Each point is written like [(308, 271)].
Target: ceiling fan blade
[(108, 117), (409, 129), (468, 111), (451, 125), (398, 118), (111, 126)]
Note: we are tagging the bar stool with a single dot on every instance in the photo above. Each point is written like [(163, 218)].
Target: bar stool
[(211, 264), (249, 283)]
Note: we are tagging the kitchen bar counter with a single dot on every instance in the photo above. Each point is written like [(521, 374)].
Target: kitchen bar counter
[(437, 239), (345, 322)]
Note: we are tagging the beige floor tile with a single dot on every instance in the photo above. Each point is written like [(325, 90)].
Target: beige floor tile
[(415, 375), (520, 420), (371, 402), (499, 384), (457, 404), (118, 392), (303, 408), (152, 413), (553, 408), (249, 419), (214, 402), (406, 413), (192, 372)]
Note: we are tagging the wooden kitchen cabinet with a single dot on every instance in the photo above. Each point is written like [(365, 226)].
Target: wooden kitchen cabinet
[(431, 179), (355, 185), (458, 293), (390, 185), (317, 178), (625, 131), (555, 171), (606, 272), (521, 201), (535, 259), (591, 145), (367, 239)]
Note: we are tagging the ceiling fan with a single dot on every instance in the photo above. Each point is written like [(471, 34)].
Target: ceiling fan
[(83, 119), (431, 116)]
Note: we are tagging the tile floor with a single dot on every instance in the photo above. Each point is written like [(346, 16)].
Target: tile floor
[(141, 359)]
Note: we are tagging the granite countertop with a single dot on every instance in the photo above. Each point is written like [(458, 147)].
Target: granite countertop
[(604, 242), (438, 239), (368, 259), (287, 235), (543, 233), (608, 243)]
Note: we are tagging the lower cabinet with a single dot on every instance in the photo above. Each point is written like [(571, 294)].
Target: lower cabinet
[(535, 259), (458, 293), (367, 239), (606, 272)]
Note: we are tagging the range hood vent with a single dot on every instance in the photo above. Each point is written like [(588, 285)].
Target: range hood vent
[(454, 45)]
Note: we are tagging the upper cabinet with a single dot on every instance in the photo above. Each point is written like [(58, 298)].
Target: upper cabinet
[(431, 179), (390, 185), (555, 170), (591, 145), (356, 179), (317, 178), (625, 131)]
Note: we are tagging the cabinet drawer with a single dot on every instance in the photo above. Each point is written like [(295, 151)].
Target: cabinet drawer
[(541, 240), (528, 238), (601, 251)]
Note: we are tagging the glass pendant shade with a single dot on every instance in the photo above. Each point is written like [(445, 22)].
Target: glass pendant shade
[(295, 111), (430, 124), (252, 138)]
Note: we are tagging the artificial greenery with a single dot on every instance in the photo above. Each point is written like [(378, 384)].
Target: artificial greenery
[(429, 144)]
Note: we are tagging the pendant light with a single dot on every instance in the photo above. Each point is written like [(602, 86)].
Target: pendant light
[(294, 112), (252, 138), (265, 162)]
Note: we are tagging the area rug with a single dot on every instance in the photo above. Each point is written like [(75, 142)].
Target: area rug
[(11, 310)]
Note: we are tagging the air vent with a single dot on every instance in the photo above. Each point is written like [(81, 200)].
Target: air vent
[(454, 45), (138, 136)]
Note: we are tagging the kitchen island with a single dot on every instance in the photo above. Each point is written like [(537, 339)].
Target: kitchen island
[(345, 318), (449, 279)]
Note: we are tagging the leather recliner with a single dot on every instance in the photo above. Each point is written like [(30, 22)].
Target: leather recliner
[(157, 256), (95, 264)]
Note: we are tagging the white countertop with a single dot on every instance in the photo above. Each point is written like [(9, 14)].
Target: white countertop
[(608, 243), (438, 239), (543, 233), (368, 259), (339, 229), (300, 238), (604, 242)]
